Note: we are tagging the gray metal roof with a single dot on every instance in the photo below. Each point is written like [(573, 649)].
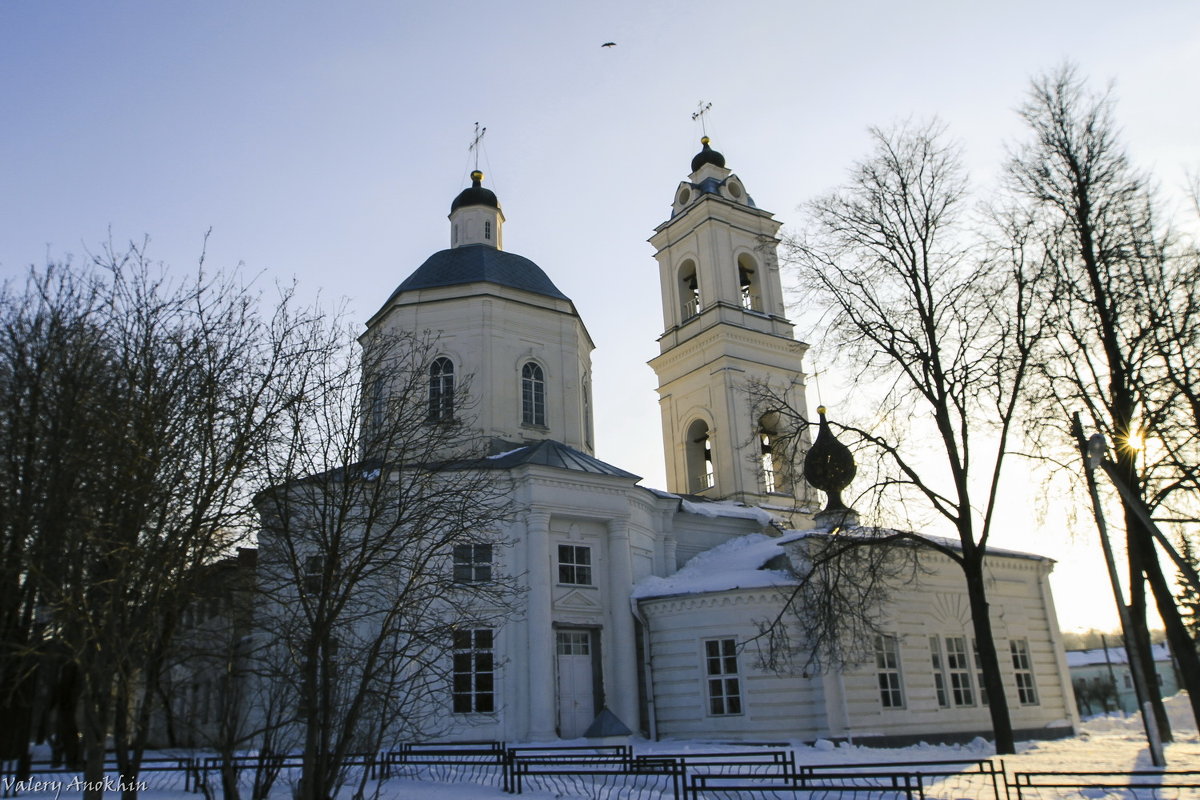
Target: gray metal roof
[(550, 453), (479, 263)]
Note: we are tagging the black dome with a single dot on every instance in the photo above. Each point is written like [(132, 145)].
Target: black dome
[(707, 156), (829, 465), (480, 263), (475, 195)]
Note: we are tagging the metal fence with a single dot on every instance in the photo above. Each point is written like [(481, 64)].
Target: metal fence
[(618, 773), (1130, 785)]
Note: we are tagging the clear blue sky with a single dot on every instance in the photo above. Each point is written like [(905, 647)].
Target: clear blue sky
[(325, 141)]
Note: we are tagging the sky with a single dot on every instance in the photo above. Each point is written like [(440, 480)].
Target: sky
[(322, 142)]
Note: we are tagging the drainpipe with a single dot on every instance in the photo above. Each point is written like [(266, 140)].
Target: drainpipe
[(647, 669), (845, 707)]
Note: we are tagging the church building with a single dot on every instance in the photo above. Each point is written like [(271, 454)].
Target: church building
[(645, 601)]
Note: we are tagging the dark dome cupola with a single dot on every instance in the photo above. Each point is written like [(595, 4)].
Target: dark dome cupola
[(707, 156), (475, 195), (475, 216), (829, 466)]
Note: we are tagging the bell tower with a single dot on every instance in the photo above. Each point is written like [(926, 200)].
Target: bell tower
[(725, 330)]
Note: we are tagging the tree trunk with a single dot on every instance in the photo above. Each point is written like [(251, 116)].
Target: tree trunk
[(989, 663), (93, 744), (1141, 636), (1183, 648)]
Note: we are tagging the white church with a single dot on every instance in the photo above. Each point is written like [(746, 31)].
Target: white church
[(642, 601)]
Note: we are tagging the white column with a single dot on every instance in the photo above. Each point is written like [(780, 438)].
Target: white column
[(540, 656), (622, 696)]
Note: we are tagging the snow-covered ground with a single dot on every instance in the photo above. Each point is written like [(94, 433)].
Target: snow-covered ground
[(1105, 743)]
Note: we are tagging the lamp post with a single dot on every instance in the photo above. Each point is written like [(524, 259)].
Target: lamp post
[(1093, 451)]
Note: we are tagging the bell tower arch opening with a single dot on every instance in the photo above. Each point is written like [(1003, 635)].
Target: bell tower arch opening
[(749, 283), (698, 455), (689, 291)]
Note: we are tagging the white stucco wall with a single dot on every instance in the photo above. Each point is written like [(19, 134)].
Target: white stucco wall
[(799, 707)]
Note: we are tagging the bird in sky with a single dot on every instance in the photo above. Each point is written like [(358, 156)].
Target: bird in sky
[(609, 44)]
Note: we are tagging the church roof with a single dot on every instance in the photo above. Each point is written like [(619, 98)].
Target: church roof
[(479, 263), (550, 453)]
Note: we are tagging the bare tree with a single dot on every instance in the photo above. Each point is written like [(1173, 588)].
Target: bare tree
[(946, 326), (50, 357), (135, 444), (380, 549), (1124, 308), (830, 617)]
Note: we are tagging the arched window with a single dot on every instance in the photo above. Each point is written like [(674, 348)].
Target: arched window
[(441, 390), (748, 282), (378, 405), (689, 290), (587, 411), (699, 458), (775, 474), (533, 395)]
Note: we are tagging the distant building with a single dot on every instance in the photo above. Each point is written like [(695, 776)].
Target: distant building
[(206, 674), (1092, 670)]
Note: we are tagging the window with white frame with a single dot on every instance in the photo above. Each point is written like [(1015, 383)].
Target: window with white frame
[(474, 684), (939, 671), (724, 685), (983, 693), (472, 563), (441, 390), (575, 564), (573, 643), (887, 669), (958, 667), (1023, 668), (533, 395)]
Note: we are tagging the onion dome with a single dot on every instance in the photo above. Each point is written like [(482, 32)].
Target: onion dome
[(707, 156), (475, 195), (829, 465)]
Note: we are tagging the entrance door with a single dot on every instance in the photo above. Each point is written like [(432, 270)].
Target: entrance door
[(576, 692)]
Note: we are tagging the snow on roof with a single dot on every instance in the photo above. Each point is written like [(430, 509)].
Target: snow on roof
[(1116, 655), (736, 564), (719, 508), (507, 453)]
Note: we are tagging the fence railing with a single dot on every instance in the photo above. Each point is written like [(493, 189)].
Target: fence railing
[(616, 771), (1128, 785)]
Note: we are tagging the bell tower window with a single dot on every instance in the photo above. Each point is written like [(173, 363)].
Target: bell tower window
[(533, 395), (689, 290), (699, 457), (772, 463), (748, 283), (441, 390), (487, 229), (768, 463)]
